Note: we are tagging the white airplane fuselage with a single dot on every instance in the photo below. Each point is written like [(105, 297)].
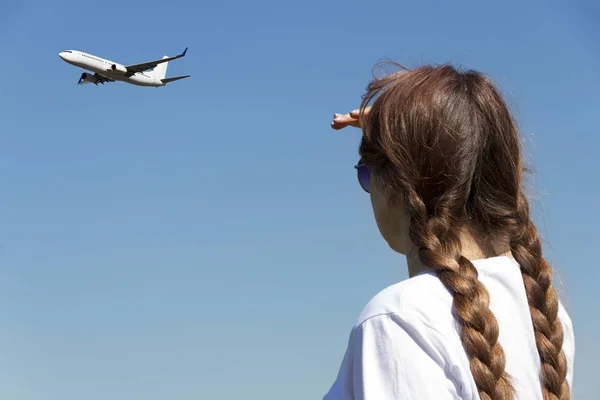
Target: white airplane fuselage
[(108, 68)]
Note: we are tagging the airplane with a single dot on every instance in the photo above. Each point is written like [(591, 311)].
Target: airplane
[(109, 71)]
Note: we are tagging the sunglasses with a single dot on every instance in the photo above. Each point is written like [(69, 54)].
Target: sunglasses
[(364, 176)]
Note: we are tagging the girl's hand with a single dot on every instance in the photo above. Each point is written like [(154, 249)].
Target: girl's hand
[(351, 119)]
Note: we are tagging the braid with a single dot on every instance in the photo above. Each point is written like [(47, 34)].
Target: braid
[(543, 304), (439, 250)]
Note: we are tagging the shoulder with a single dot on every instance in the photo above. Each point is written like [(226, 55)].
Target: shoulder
[(401, 346), (412, 318), (421, 298)]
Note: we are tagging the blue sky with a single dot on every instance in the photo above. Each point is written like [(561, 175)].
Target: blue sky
[(209, 239)]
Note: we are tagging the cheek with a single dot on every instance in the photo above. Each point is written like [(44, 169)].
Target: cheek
[(380, 209), (389, 222)]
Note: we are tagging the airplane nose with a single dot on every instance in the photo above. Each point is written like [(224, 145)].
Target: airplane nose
[(64, 55)]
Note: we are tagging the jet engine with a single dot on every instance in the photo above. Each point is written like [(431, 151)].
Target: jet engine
[(85, 77), (118, 68)]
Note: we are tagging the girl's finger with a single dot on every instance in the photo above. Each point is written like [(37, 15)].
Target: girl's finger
[(339, 124), (356, 113), (341, 121)]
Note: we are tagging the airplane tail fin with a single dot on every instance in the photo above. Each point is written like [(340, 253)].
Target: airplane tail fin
[(160, 71), (176, 78)]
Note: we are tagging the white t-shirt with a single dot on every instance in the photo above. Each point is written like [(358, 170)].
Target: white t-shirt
[(406, 345)]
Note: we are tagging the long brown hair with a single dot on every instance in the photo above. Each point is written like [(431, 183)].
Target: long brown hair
[(444, 143)]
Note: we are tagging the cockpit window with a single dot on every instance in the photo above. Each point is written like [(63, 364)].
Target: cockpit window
[(68, 51)]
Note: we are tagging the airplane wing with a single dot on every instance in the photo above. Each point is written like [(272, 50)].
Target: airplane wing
[(133, 69)]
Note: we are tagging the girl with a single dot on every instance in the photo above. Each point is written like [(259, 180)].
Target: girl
[(478, 318)]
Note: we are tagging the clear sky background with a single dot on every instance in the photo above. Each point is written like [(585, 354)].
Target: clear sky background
[(208, 239)]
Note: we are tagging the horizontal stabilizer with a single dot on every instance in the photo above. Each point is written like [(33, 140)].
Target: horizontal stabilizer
[(175, 78)]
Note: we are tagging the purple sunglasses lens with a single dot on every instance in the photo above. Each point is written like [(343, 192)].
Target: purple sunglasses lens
[(364, 177)]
